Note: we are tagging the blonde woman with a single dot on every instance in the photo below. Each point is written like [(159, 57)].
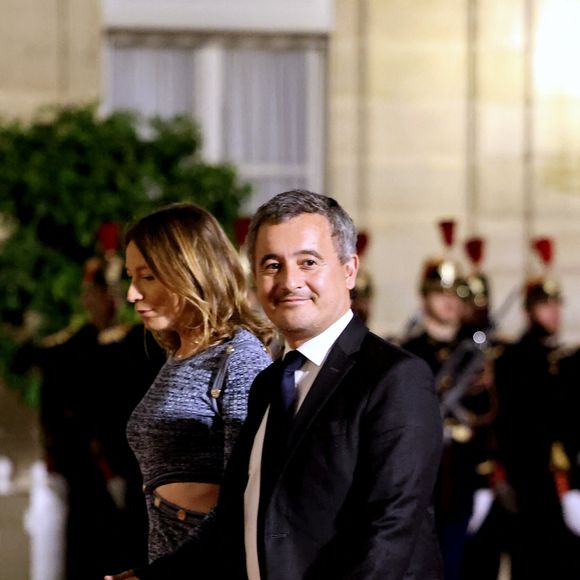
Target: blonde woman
[(188, 287)]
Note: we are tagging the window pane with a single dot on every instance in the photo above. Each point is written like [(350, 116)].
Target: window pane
[(265, 117), (265, 106), (152, 81)]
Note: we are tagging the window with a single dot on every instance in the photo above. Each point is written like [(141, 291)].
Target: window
[(259, 99)]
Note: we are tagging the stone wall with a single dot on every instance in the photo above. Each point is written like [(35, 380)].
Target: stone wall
[(431, 115), (453, 121), (49, 54)]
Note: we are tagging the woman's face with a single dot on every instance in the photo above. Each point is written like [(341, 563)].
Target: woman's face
[(158, 307)]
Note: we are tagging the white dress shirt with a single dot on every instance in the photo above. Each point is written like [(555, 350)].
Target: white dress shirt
[(315, 350)]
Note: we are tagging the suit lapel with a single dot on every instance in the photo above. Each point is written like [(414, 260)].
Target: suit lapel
[(339, 361), (259, 401), (261, 396)]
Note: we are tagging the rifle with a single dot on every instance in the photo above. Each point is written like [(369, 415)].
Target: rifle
[(465, 362)]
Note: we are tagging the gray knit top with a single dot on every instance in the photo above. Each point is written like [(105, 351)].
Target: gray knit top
[(178, 431)]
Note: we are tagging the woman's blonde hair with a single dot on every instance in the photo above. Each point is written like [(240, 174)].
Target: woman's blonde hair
[(188, 251)]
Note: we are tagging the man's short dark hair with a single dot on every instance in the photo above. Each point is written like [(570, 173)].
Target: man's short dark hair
[(291, 204)]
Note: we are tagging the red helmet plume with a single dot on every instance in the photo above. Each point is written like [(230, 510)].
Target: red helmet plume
[(474, 250), (447, 229), (545, 249), (108, 236)]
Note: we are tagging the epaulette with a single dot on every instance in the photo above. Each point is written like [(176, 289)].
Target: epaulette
[(496, 350), (502, 338), (57, 338), (456, 431), (556, 356), (113, 334)]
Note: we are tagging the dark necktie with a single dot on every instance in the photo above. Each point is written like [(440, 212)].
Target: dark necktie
[(278, 425), (290, 364)]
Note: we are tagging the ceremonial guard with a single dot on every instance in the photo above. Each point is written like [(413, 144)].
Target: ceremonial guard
[(528, 428), (568, 477), (487, 537), (476, 294), (433, 334), (457, 362), (92, 378)]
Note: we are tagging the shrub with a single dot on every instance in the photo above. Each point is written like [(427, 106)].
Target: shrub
[(63, 175)]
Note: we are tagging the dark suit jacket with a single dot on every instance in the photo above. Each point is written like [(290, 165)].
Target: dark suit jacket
[(354, 496)]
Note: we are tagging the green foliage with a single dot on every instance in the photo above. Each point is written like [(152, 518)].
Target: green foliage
[(67, 172)]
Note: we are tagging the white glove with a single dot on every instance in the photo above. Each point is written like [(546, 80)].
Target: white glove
[(571, 510), (117, 486), (482, 501)]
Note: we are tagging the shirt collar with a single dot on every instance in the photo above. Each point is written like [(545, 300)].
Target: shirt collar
[(316, 349)]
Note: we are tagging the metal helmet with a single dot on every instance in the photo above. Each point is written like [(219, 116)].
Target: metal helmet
[(543, 286), (442, 273)]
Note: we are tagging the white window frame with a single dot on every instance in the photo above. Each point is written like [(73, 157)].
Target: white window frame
[(214, 21), (271, 16)]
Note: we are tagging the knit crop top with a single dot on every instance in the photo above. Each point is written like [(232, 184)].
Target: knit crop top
[(179, 432)]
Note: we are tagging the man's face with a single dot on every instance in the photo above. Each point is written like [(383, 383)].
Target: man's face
[(301, 284), (444, 307), (547, 314)]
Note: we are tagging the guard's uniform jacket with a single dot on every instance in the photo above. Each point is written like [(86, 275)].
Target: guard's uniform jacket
[(528, 424), (466, 444)]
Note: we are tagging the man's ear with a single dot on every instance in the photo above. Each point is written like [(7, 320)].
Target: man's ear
[(350, 271)]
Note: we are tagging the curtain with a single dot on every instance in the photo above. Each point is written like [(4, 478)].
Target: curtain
[(260, 105), (152, 81), (265, 117)]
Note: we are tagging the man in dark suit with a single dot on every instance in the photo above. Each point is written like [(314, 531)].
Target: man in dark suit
[(347, 491)]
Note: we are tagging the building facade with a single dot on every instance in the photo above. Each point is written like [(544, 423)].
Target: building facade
[(406, 111)]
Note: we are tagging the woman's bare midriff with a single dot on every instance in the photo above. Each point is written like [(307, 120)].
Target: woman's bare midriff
[(197, 497)]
